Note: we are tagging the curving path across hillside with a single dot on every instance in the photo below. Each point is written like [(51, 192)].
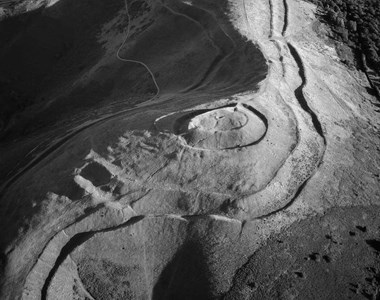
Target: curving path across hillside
[(135, 61)]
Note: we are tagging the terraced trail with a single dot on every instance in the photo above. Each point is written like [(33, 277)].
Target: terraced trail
[(172, 198)]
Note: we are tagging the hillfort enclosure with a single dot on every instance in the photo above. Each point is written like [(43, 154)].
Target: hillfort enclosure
[(201, 149)]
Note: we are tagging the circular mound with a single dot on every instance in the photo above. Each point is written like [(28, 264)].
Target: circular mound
[(228, 127), (219, 120)]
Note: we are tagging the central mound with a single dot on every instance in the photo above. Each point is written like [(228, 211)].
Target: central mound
[(219, 120), (228, 127)]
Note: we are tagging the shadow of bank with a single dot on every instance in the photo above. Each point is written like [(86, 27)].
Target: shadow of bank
[(187, 276)]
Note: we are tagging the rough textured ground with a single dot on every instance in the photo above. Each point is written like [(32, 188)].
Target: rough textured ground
[(212, 188)]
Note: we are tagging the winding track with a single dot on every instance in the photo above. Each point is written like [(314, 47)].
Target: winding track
[(136, 61)]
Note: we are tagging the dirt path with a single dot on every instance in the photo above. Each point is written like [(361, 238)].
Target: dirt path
[(136, 61)]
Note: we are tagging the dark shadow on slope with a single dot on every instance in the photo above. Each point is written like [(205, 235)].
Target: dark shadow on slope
[(375, 244), (300, 96), (286, 13), (186, 276)]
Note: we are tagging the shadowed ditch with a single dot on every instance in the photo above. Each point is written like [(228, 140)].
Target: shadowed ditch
[(74, 242), (286, 12), (300, 96)]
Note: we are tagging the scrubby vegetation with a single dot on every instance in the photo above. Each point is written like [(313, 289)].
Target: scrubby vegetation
[(356, 23)]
